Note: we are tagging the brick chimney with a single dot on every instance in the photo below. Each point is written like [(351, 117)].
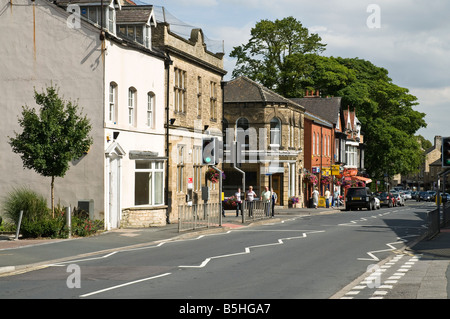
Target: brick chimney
[(312, 93)]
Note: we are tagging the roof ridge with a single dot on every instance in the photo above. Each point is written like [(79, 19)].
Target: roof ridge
[(262, 90)]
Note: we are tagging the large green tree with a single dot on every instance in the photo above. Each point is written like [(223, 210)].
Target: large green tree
[(53, 137), (283, 56), (387, 115), (278, 54)]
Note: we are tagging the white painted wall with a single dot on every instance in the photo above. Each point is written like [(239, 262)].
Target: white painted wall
[(37, 48), (130, 68)]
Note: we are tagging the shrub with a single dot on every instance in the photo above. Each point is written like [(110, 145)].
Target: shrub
[(33, 205), (37, 220)]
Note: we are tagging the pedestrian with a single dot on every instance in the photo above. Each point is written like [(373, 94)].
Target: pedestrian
[(327, 197), (274, 200), (336, 196), (265, 197), (250, 196), (315, 196), (238, 202)]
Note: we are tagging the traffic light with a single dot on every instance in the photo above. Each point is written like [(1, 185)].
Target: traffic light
[(446, 152), (211, 150), (208, 151)]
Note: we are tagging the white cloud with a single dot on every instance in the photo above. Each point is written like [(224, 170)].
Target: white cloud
[(413, 43)]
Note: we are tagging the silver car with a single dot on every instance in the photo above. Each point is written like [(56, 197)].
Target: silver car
[(407, 195), (399, 198)]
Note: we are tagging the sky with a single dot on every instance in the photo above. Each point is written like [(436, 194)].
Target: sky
[(409, 38)]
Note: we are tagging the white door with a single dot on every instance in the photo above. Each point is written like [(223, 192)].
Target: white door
[(114, 192)]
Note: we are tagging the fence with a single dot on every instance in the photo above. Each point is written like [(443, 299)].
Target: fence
[(208, 215), (198, 216), (256, 210), (437, 220)]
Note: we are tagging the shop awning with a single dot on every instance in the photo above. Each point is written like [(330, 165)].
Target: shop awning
[(362, 179)]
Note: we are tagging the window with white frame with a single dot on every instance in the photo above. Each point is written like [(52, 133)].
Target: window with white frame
[(112, 102), (179, 90), (314, 144), (131, 105), (351, 155), (149, 183), (151, 109), (132, 32), (275, 132)]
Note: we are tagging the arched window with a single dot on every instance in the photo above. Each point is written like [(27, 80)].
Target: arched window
[(314, 143), (131, 105), (275, 132), (112, 102), (242, 127)]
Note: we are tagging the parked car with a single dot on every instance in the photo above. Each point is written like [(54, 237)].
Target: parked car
[(445, 197), (400, 201), (386, 199), (359, 197), (377, 203), (423, 196), (432, 195), (408, 195)]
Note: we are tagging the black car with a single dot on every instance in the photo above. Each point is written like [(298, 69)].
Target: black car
[(387, 199), (359, 197), (425, 196)]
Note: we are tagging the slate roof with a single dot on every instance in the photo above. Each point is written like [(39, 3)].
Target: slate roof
[(326, 108), (245, 90), (134, 14)]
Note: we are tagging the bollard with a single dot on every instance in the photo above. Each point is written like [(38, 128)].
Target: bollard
[(69, 221), (18, 225)]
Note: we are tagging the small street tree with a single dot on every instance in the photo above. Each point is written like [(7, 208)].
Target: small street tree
[(52, 138)]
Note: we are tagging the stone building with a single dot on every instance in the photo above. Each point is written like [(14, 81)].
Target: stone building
[(194, 99), (426, 177), (272, 139)]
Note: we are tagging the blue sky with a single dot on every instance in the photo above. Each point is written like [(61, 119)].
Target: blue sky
[(412, 41)]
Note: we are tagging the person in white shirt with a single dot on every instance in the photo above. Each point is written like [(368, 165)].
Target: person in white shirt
[(238, 202), (250, 195), (265, 197)]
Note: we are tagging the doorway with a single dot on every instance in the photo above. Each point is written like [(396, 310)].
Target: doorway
[(277, 187)]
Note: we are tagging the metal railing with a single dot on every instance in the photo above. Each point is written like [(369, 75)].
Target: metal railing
[(256, 209), (436, 220), (198, 216), (208, 215)]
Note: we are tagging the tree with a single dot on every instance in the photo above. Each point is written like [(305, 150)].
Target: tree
[(278, 54), (52, 138), (388, 118), (284, 57)]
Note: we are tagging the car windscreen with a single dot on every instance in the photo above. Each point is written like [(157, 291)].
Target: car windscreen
[(356, 192)]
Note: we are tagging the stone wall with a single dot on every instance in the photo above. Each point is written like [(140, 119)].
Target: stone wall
[(143, 217)]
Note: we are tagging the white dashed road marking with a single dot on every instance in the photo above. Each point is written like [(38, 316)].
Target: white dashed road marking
[(373, 282)]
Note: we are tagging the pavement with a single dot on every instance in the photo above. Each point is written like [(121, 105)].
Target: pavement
[(16, 256)]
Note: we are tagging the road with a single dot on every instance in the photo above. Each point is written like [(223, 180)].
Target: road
[(313, 257)]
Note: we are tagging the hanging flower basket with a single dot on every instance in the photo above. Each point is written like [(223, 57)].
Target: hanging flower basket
[(326, 180), (310, 178), (292, 201), (213, 176), (232, 201)]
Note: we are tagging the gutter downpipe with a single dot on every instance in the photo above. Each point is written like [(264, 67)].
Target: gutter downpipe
[(167, 63)]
